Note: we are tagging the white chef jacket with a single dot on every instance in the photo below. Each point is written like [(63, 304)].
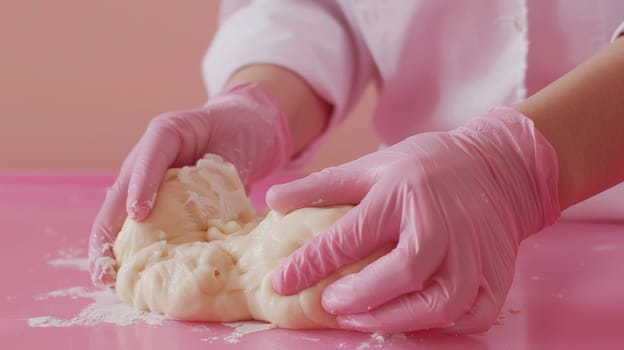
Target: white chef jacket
[(437, 63)]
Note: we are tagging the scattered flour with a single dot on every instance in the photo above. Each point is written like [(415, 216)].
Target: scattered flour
[(73, 292), (243, 328), (209, 339), (77, 263), (200, 328), (603, 247), (378, 337), (70, 252), (377, 340), (71, 257), (106, 308), (49, 231)]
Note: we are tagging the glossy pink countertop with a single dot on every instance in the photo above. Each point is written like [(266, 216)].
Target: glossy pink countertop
[(568, 292)]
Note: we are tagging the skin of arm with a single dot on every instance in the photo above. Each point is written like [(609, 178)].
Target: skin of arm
[(582, 116), (307, 113)]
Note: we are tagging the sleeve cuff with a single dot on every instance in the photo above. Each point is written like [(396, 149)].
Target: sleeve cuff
[(307, 40), (618, 32)]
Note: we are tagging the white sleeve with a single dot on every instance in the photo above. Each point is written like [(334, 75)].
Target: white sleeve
[(309, 37), (618, 32)]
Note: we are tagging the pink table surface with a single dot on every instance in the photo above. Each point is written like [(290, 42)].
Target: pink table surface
[(568, 291)]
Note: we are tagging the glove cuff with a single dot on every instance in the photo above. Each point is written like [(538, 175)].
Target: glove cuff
[(268, 137), (525, 163)]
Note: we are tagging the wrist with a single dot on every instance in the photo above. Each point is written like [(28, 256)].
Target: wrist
[(305, 112), (581, 116), (259, 140)]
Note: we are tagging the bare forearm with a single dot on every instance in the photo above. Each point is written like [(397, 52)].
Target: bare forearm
[(306, 112), (582, 115)]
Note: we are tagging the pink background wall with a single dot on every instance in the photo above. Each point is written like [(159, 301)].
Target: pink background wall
[(79, 81)]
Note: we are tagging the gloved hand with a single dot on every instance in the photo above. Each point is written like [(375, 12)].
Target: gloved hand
[(454, 205), (243, 125)]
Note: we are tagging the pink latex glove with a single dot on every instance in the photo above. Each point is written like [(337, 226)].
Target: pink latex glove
[(454, 205), (243, 125)]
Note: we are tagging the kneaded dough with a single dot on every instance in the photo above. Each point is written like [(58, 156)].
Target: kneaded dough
[(203, 255)]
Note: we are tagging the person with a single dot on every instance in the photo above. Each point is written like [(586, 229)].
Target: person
[(469, 167)]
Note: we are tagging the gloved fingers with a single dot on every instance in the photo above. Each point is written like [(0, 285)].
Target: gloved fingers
[(107, 225), (102, 263), (480, 317), (352, 238), (332, 186), (405, 269), (155, 153), (449, 294), (434, 307), (103, 233)]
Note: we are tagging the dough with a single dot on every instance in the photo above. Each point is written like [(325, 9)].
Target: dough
[(203, 255)]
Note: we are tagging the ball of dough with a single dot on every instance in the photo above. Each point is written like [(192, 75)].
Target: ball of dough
[(203, 255)]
